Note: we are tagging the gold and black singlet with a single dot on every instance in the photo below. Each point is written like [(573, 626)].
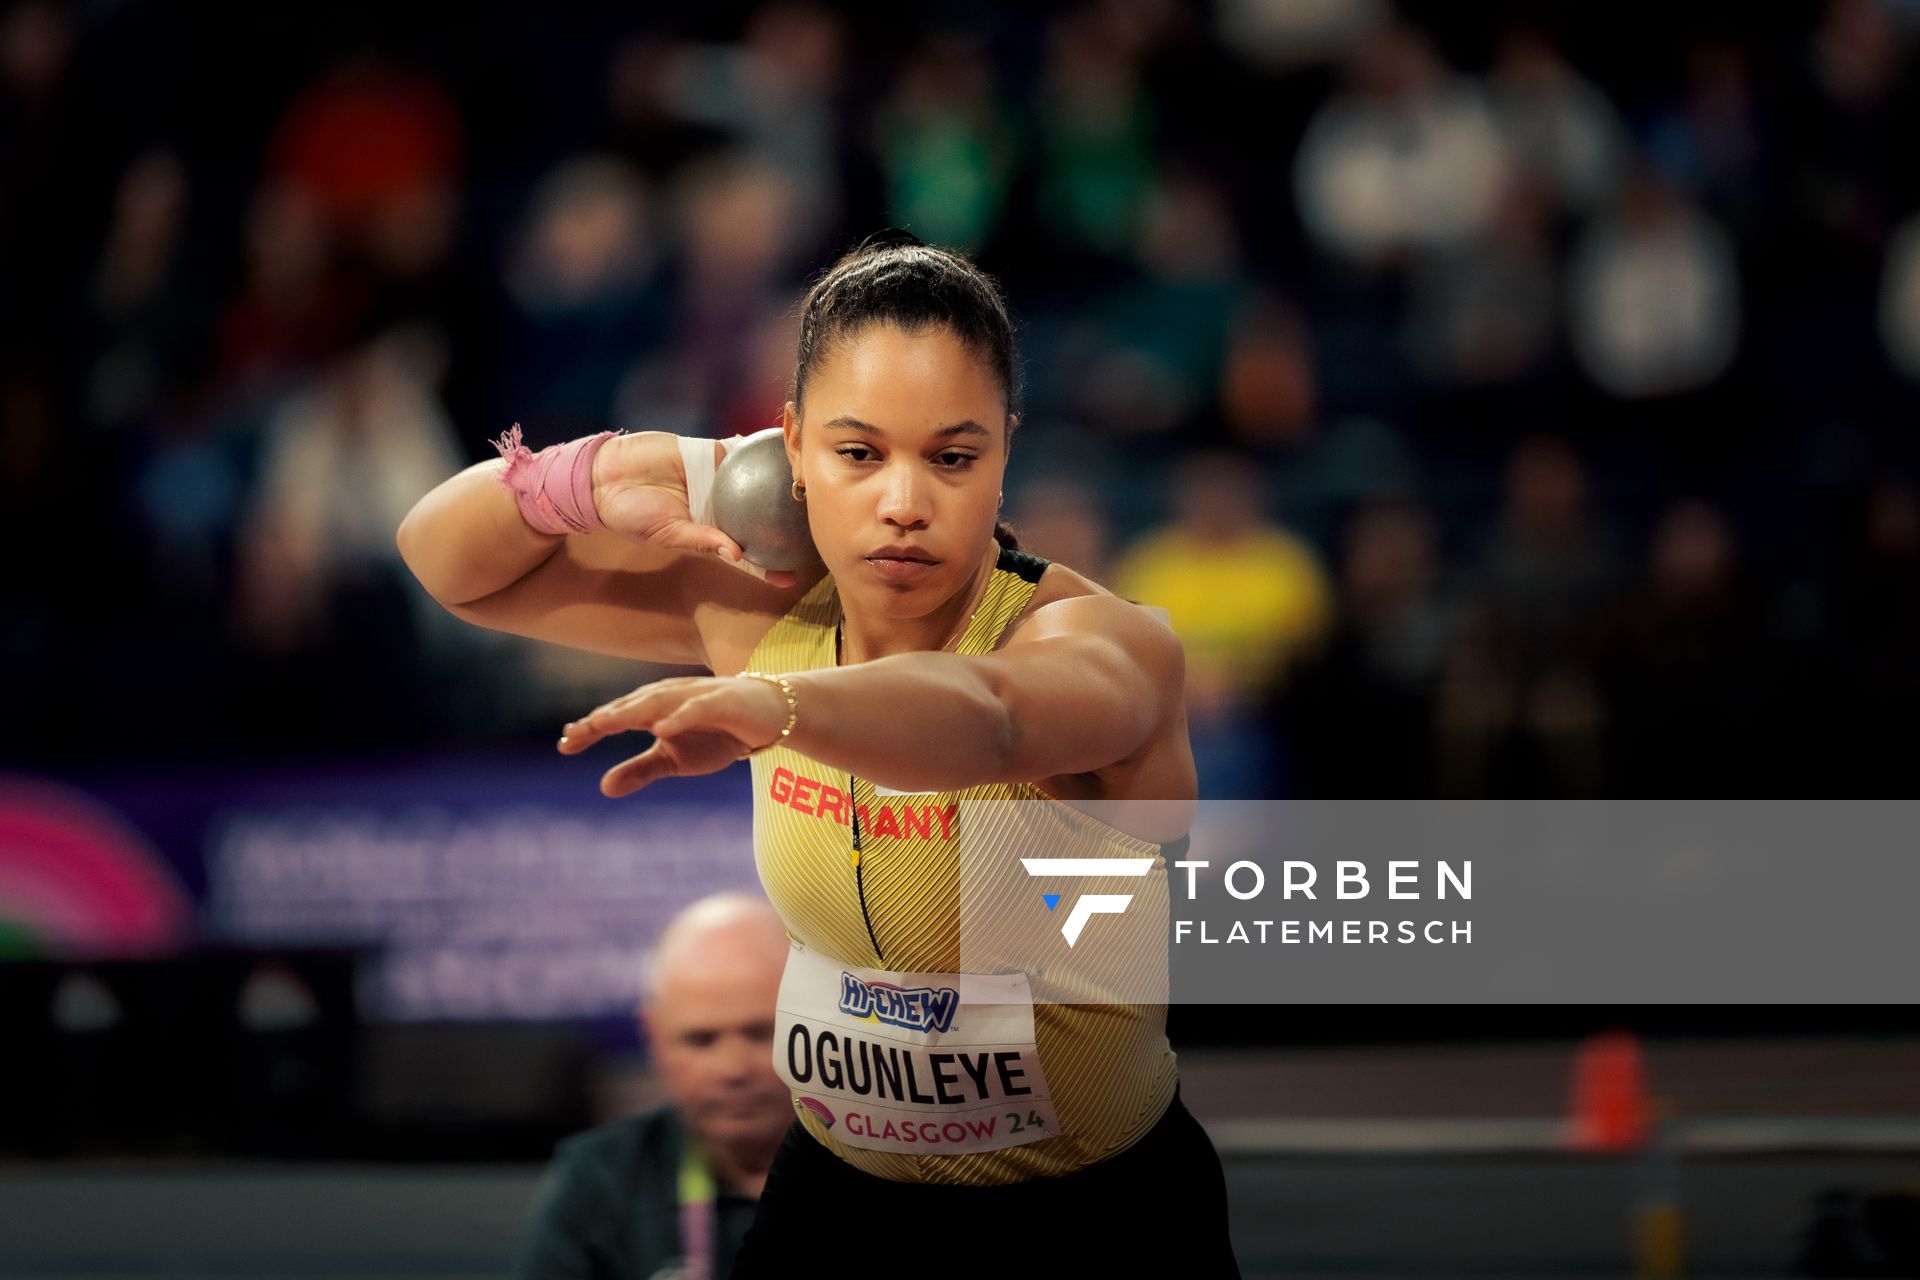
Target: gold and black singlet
[(871, 878)]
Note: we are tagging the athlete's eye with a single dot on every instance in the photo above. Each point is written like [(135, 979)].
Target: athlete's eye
[(856, 453), (957, 459)]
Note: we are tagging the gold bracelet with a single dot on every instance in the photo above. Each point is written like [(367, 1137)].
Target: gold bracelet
[(793, 710)]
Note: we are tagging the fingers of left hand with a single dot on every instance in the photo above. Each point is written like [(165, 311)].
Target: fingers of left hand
[(642, 709), (690, 713)]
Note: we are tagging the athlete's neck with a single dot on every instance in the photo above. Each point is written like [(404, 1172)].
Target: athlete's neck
[(864, 637)]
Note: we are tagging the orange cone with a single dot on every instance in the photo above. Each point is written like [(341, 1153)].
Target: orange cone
[(1609, 1109)]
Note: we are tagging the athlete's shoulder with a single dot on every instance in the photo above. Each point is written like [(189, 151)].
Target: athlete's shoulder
[(1057, 583), (1067, 602)]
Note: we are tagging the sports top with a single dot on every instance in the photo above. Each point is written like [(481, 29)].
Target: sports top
[(894, 903)]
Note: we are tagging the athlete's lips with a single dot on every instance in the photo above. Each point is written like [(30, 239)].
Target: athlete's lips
[(901, 551), (902, 564)]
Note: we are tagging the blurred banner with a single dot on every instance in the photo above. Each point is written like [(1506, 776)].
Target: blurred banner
[(493, 889)]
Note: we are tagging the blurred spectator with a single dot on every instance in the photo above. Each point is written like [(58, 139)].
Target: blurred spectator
[(1563, 131), (1283, 34), (1847, 180), (1096, 131), (140, 320), (1408, 156), (293, 309), (365, 138), (1520, 708), (648, 130), (1247, 598), (671, 1191), (726, 311), (188, 487), (1852, 169), (580, 279), (948, 145), (378, 150), (1348, 463), (734, 219), (776, 94), (1486, 313), (1367, 703), (1653, 295), (1712, 143), (320, 579), (1687, 654), (1268, 394), (1143, 359)]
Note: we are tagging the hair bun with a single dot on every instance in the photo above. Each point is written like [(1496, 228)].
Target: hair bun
[(889, 238)]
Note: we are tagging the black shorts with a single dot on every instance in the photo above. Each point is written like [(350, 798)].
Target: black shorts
[(1159, 1208)]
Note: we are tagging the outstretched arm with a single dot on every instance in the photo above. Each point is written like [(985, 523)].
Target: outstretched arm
[(1081, 684)]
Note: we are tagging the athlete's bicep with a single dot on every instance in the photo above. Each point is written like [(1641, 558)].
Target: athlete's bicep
[(1086, 682)]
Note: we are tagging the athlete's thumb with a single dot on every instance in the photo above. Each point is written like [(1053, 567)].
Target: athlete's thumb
[(628, 777)]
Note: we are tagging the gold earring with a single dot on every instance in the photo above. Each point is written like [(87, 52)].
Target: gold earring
[(799, 492)]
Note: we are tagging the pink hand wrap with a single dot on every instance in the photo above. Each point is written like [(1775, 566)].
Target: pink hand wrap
[(553, 487)]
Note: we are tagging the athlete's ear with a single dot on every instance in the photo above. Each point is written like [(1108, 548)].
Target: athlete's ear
[(790, 433)]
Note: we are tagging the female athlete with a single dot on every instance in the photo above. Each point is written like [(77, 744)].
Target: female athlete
[(928, 664)]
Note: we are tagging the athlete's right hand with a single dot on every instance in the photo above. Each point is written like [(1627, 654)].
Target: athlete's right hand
[(640, 491)]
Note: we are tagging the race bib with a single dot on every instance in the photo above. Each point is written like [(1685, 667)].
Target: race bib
[(923, 1063)]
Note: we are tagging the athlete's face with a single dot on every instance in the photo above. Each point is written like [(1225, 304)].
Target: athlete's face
[(711, 1027), (902, 448)]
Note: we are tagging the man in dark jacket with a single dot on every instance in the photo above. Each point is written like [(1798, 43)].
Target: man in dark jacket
[(670, 1192)]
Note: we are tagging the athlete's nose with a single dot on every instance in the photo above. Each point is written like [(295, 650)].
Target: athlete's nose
[(904, 497)]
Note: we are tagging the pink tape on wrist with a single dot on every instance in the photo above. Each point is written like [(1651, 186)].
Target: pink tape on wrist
[(554, 487)]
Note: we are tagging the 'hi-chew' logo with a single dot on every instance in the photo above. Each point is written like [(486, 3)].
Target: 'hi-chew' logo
[(1090, 904), (915, 1008)]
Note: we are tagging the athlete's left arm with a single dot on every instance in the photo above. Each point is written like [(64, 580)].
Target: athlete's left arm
[(1080, 684)]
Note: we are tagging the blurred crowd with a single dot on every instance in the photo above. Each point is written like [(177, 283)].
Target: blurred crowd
[(1514, 400)]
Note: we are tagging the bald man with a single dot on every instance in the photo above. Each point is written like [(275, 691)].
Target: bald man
[(670, 1192)]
